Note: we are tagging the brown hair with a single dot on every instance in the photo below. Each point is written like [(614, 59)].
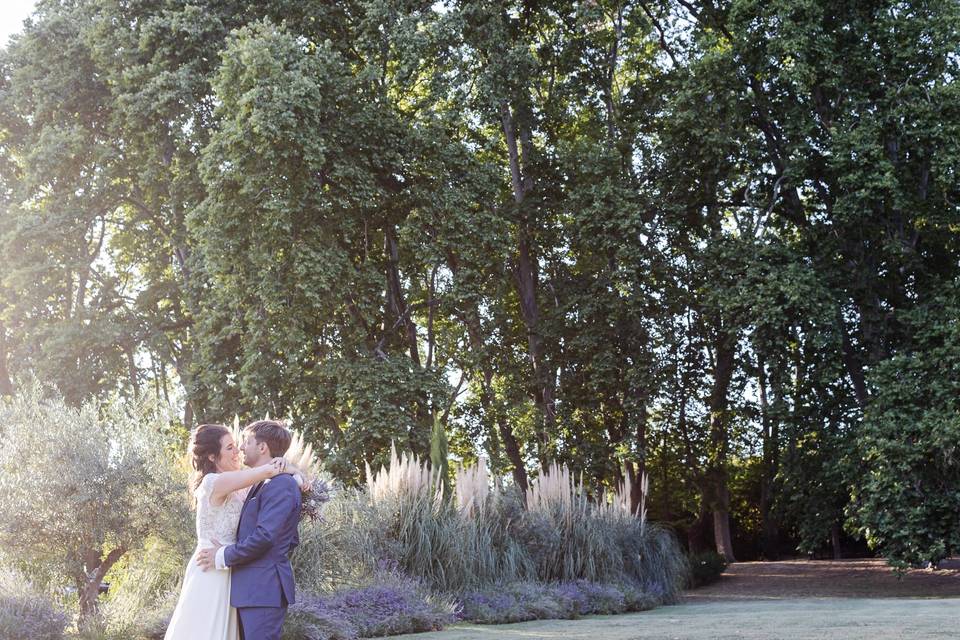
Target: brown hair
[(271, 433), (205, 442)]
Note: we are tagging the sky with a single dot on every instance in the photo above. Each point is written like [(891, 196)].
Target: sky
[(12, 14)]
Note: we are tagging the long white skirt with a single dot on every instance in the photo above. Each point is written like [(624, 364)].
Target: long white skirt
[(203, 610)]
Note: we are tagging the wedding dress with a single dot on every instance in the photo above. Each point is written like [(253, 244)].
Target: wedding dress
[(203, 609)]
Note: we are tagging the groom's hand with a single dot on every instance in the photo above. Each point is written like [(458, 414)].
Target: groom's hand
[(207, 558)]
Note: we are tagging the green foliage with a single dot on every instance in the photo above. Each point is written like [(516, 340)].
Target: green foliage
[(815, 474), (144, 586), (907, 502)]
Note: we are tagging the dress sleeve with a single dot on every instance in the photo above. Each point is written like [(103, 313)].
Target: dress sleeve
[(202, 493)]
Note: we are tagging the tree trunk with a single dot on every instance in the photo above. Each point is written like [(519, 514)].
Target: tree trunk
[(699, 535), (716, 476), (852, 363), (638, 470), (525, 274), (510, 444), (88, 585), (835, 541), (397, 305), (68, 296), (188, 414), (769, 529), (721, 525), (88, 591), (396, 302), (6, 385), (471, 317), (132, 369)]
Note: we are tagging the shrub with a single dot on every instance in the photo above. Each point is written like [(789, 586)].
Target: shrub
[(145, 586), (376, 610), (25, 613), (635, 599), (520, 601), (706, 567)]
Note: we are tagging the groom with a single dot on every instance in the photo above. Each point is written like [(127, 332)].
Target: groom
[(261, 586)]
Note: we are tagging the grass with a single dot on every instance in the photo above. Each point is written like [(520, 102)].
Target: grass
[(796, 619)]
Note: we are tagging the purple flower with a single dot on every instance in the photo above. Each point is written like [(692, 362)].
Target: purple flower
[(376, 610), (314, 497), (533, 600)]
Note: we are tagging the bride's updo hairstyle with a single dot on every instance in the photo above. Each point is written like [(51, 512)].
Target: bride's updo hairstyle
[(205, 442)]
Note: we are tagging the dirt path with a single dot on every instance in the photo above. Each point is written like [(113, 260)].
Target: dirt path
[(822, 579), (792, 600)]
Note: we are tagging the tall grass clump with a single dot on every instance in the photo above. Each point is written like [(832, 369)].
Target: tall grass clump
[(574, 538), (402, 521), (347, 549), (577, 541), (475, 537), (448, 547)]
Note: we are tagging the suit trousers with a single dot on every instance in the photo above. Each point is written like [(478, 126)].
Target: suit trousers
[(261, 623)]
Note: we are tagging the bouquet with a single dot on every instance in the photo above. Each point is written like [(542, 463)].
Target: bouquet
[(315, 495)]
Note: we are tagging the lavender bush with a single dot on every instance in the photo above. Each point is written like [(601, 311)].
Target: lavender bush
[(26, 614), (521, 601), (377, 610), (307, 622)]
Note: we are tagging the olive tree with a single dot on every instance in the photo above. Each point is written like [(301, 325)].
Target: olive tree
[(80, 487)]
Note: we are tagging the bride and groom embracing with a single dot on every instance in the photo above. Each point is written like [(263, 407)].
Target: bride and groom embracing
[(239, 581)]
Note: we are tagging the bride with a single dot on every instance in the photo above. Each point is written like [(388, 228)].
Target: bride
[(220, 486)]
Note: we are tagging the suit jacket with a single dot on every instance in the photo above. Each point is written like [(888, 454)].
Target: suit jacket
[(267, 533)]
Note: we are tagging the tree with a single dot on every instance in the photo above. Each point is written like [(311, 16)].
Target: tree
[(907, 503), (64, 312), (80, 487)]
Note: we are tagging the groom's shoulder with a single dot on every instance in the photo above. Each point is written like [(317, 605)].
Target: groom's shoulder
[(282, 482)]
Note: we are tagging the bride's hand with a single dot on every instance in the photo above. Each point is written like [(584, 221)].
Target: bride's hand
[(302, 481)]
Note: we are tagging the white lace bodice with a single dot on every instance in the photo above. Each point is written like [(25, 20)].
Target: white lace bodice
[(217, 522)]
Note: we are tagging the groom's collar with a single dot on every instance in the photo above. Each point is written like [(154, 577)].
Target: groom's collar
[(256, 488)]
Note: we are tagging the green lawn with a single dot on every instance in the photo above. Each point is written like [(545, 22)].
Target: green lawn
[(793, 619)]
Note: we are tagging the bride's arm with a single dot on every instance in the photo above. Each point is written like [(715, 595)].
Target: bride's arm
[(230, 481)]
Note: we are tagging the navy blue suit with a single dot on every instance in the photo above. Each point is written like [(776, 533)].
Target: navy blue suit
[(261, 583)]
